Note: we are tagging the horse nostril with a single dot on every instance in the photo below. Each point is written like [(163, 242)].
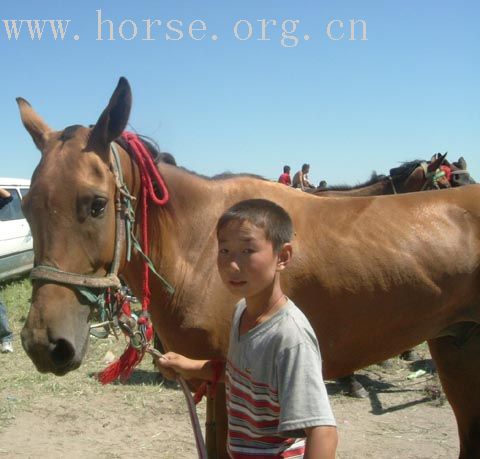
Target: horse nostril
[(62, 353)]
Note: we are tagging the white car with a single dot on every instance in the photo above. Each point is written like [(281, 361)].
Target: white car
[(16, 248)]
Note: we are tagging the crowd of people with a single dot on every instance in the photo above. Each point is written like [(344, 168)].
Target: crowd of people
[(300, 179)]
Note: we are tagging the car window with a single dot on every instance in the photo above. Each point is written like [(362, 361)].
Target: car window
[(13, 210)]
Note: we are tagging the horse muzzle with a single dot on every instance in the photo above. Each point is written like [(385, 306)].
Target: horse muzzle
[(55, 334), (50, 355)]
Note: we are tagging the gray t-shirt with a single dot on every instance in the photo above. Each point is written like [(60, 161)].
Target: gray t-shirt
[(274, 383)]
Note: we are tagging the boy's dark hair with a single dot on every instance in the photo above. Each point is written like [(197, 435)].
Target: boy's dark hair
[(272, 218), (286, 169), (305, 167)]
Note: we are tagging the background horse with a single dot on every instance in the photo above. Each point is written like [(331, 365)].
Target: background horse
[(411, 176), (374, 275)]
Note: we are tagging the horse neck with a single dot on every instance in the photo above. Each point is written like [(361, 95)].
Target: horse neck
[(179, 231), (414, 182)]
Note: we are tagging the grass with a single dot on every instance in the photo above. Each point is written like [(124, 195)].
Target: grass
[(21, 383)]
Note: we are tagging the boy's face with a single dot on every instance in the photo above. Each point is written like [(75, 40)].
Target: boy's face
[(246, 260)]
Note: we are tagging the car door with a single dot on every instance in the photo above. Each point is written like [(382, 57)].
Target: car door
[(16, 253)]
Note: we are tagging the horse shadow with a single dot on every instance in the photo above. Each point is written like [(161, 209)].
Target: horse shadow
[(375, 387)]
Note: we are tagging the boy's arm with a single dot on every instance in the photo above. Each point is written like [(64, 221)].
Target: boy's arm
[(172, 364), (321, 442)]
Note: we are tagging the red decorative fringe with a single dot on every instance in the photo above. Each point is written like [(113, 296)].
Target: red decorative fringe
[(123, 367)]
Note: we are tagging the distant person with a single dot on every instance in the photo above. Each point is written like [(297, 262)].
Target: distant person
[(322, 185), (300, 179), (285, 177), (5, 197), (6, 336)]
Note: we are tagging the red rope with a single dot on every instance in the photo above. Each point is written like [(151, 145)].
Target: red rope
[(210, 386), (149, 174)]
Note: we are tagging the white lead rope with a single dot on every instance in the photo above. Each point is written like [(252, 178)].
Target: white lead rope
[(192, 411)]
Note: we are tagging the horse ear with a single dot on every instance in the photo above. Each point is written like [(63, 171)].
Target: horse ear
[(33, 123), (436, 163), (114, 118), (462, 164)]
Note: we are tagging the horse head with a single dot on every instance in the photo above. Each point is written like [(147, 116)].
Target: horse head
[(460, 174), (71, 211), (419, 175)]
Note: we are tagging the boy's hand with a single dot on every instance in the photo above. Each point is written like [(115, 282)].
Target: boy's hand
[(171, 365)]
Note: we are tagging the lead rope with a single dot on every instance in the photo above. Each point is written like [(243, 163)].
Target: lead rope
[(197, 431)]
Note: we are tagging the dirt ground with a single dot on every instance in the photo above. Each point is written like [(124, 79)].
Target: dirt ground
[(46, 417)]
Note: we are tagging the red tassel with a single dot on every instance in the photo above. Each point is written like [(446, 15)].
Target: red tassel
[(121, 368)]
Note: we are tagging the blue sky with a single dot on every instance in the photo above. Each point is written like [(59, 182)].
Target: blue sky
[(347, 107)]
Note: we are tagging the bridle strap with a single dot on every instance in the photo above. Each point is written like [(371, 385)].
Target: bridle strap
[(123, 236), (85, 281), (51, 274), (393, 184), (119, 209), (431, 177)]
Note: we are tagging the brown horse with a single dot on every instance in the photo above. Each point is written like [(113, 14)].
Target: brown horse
[(411, 176), (374, 275)]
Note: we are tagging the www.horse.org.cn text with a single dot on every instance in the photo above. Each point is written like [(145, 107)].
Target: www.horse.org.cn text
[(287, 33)]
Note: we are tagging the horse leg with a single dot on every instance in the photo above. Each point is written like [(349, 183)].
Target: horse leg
[(355, 388), (458, 366)]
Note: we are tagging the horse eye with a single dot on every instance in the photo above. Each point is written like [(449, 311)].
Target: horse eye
[(98, 207)]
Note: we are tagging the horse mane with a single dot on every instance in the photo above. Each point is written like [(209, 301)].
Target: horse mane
[(162, 157), (405, 169), (223, 175), (229, 175), (375, 178), (150, 144)]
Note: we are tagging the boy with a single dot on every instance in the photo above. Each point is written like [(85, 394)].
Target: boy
[(285, 177), (275, 391)]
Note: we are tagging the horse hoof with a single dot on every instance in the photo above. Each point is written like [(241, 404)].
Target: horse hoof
[(357, 390), (410, 356)]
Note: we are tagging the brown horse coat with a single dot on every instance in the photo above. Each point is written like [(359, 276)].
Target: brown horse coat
[(375, 275)]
